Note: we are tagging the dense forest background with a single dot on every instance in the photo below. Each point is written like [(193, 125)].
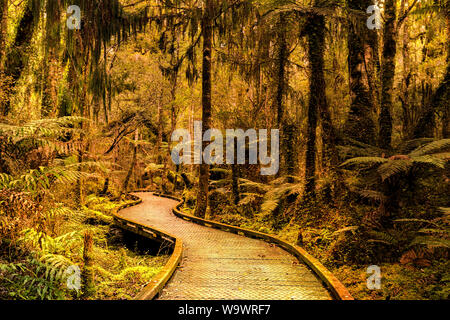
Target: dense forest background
[(86, 115)]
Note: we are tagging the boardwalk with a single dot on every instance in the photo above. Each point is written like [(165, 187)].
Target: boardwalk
[(221, 265)]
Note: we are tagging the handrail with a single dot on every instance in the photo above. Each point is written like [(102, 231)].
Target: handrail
[(338, 290), (155, 286)]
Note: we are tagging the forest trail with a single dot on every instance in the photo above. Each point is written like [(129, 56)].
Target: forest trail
[(225, 266)]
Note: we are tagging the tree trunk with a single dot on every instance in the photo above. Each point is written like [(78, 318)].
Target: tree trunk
[(105, 85), (287, 144), (387, 74), (360, 125), (173, 121), (133, 162), (87, 275), (16, 56), (235, 175), (446, 117), (104, 191), (50, 62), (160, 130), (281, 68), (406, 106), (317, 98), (203, 184), (3, 29)]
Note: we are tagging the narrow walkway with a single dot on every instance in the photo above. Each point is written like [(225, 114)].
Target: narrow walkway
[(225, 266)]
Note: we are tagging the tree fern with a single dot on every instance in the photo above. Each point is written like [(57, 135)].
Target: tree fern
[(364, 161), (433, 147)]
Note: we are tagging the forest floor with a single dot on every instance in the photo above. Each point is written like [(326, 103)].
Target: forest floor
[(123, 264), (405, 280)]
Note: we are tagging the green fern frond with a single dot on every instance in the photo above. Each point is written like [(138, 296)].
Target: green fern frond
[(244, 183), (383, 237), (392, 167), (430, 160), (416, 221), (431, 241), (221, 170), (268, 207), (364, 161), (372, 194), (432, 147), (352, 229)]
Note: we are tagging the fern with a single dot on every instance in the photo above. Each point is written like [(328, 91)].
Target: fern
[(47, 244), (390, 168), (433, 147), (364, 160)]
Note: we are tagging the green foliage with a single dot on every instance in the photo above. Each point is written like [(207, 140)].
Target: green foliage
[(63, 244), (386, 179), (273, 195), (35, 279)]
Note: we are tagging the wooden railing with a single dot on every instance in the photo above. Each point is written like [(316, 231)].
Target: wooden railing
[(336, 288), (152, 289)]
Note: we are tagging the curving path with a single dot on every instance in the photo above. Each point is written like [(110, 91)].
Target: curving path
[(220, 265)]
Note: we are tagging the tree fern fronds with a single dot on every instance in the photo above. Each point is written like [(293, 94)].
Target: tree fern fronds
[(248, 197), (221, 182), (43, 128), (55, 266), (417, 220), (432, 147), (221, 170), (431, 241), (408, 146), (352, 229), (364, 160), (434, 231), (374, 195), (48, 244), (438, 162), (441, 155), (383, 237), (268, 207), (153, 167), (390, 168), (251, 184), (56, 212)]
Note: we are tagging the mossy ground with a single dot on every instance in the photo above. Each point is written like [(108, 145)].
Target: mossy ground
[(339, 250), (121, 266)]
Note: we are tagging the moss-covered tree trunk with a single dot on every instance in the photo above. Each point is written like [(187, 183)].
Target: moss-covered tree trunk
[(3, 29), (387, 74), (284, 124), (132, 164), (359, 125), (406, 77), (317, 99), (87, 276), (50, 61), (105, 85), (446, 117), (282, 52), (207, 28), (15, 59)]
